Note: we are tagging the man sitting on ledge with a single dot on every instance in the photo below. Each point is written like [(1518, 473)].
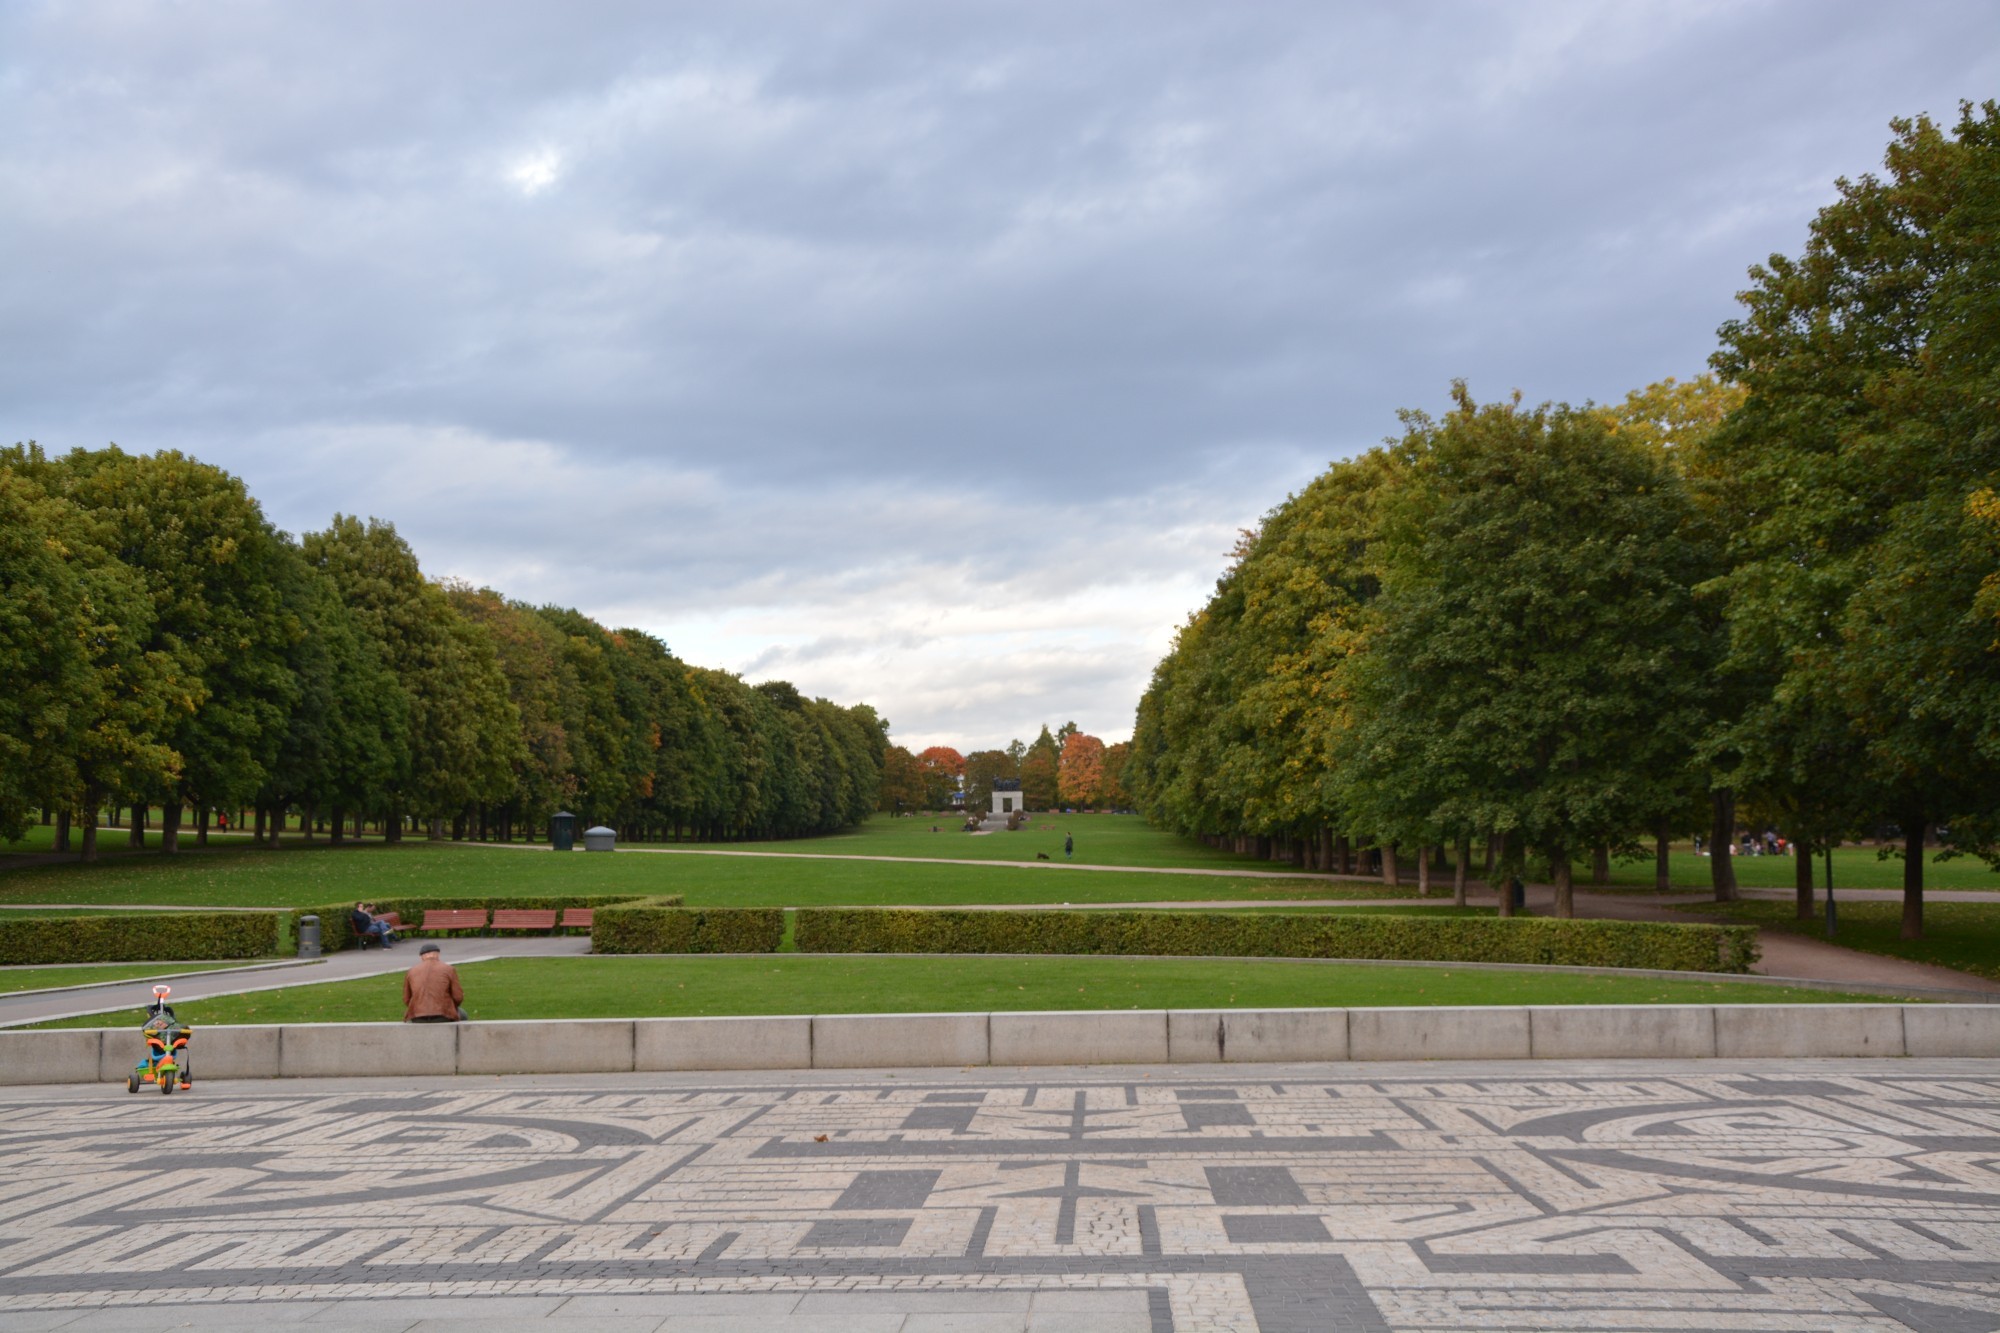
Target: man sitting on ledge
[(431, 993)]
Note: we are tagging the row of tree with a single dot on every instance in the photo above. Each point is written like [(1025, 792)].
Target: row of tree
[(1066, 768), (163, 645), (1556, 632)]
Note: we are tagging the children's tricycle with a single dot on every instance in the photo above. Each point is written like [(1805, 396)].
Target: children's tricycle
[(166, 1060)]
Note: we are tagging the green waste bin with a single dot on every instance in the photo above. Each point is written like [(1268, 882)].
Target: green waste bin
[(562, 831)]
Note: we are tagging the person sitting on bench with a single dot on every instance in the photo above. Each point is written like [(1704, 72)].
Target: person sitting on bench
[(369, 926)]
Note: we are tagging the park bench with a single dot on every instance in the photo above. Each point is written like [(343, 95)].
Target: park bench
[(523, 918), (574, 917), (453, 918)]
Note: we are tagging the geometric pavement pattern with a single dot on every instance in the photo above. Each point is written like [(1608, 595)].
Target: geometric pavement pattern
[(1822, 1195)]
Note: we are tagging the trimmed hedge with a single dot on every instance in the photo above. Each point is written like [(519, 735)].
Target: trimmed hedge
[(1547, 940), (658, 927), (336, 933), (138, 938)]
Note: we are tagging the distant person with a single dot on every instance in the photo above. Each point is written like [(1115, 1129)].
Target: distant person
[(431, 993), (1069, 847), (369, 926)]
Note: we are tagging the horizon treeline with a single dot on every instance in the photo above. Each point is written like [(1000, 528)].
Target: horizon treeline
[(1064, 768), (163, 645), (1769, 597)]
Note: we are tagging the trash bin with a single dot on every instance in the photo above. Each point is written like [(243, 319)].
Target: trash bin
[(1520, 895), (600, 839), (308, 937), (562, 831)]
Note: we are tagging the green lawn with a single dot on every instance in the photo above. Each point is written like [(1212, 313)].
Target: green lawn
[(1965, 936), (1101, 840), (311, 876), (1853, 868), (41, 978), (710, 984)]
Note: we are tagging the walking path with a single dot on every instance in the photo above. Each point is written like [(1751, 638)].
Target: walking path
[(46, 1006)]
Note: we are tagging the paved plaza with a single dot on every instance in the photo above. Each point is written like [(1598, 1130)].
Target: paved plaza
[(1820, 1195)]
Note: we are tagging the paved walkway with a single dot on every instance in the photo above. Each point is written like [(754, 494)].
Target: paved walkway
[(1835, 1196), (42, 1006)]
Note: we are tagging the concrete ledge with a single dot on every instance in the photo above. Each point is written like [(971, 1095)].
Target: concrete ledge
[(1808, 1030), (1182, 1036), (1437, 1034), (1251, 1036), (1194, 1036), (848, 1041), (1108, 1037), (722, 1043), (333, 1050), (548, 1046), (1955, 1029), (53, 1057), (226, 1052), (1589, 1032)]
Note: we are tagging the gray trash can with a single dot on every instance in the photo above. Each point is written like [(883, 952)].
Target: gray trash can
[(308, 937), (600, 839)]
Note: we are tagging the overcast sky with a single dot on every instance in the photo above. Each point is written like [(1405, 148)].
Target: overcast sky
[(927, 354)]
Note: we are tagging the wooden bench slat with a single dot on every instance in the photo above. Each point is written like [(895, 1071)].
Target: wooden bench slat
[(577, 916), (454, 918), (524, 918)]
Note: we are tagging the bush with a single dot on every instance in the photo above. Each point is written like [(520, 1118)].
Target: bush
[(659, 927), (139, 937), (1547, 940), (336, 933)]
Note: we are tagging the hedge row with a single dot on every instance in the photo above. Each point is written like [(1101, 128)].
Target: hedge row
[(337, 933), (140, 937), (657, 927), (1547, 940)]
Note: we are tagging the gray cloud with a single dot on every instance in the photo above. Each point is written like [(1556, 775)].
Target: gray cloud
[(926, 353)]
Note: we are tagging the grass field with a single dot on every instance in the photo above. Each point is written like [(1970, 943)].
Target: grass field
[(1853, 868), (525, 988), (39, 978), (298, 876), (1965, 936)]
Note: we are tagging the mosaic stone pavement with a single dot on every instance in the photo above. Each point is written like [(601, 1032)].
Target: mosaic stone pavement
[(1821, 1195)]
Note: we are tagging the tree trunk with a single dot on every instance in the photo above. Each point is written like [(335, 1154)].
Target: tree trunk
[(1722, 845), (392, 827), (1494, 842), (1559, 871), (1600, 864), (201, 813), (359, 817), (1343, 855), (62, 831), (1389, 868), (1913, 878), (306, 813), (1497, 879), (89, 847), (262, 827), (137, 838), (1802, 881), (170, 827), (336, 826), (1663, 878), (1423, 872), (1458, 872)]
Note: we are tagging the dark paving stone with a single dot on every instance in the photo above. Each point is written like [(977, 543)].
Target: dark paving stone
[(888, 1189), (1206, 1094), (1201, 1116), (1272, 1229), (886, 1232), (957, 1119), (1272, 1186)]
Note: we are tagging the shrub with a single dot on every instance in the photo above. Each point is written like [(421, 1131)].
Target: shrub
[(658, 927), (1546, 940), (139, 937), (336, 933)]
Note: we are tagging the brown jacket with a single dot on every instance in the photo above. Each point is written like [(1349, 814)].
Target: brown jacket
[(431, 990)]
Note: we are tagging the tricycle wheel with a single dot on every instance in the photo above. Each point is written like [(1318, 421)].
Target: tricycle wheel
[(131, 1083), (167, 1085)]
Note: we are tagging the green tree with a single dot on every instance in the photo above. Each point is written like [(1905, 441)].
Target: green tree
[(1872, 364), (1039, 772), (44, 656)]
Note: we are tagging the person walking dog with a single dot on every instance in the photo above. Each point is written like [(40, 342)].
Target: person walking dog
[(431, 993)]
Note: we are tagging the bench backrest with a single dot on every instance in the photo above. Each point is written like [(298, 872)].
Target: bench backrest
[(524, 917), (454, 918), (578, 916)]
